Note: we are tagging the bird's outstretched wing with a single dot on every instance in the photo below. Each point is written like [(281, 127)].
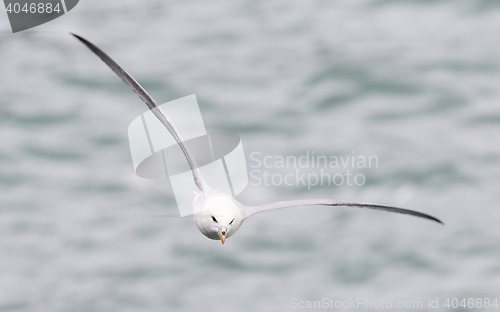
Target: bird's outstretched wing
[(327, 202), (157, 111)]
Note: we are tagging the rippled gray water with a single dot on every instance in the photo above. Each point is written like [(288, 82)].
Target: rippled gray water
[(415, 83)]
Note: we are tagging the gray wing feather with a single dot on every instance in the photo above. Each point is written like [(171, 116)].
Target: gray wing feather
[(327, 202), (157, 111)]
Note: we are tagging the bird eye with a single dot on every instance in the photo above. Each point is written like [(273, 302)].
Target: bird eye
[(231, 221), (213, 218)]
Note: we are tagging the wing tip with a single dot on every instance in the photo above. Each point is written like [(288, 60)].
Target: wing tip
[(401, 210), (76, 36), (438, 221), (85, 42)]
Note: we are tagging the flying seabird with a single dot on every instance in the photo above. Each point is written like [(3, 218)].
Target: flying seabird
[(217, 214)]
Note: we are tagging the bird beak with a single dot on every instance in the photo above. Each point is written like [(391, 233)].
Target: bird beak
[(222, 237)]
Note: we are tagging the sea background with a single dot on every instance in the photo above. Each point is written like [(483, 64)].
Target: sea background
[(414, 82)]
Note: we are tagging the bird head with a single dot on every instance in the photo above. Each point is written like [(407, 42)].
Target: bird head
[(223, 224), (219, 217)]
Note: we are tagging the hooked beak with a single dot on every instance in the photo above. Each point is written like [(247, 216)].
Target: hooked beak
[(222, 236)]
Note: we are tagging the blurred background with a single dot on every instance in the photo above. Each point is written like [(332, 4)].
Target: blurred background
[(415, 83)]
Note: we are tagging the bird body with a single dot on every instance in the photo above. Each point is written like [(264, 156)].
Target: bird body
[(218, 215)]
